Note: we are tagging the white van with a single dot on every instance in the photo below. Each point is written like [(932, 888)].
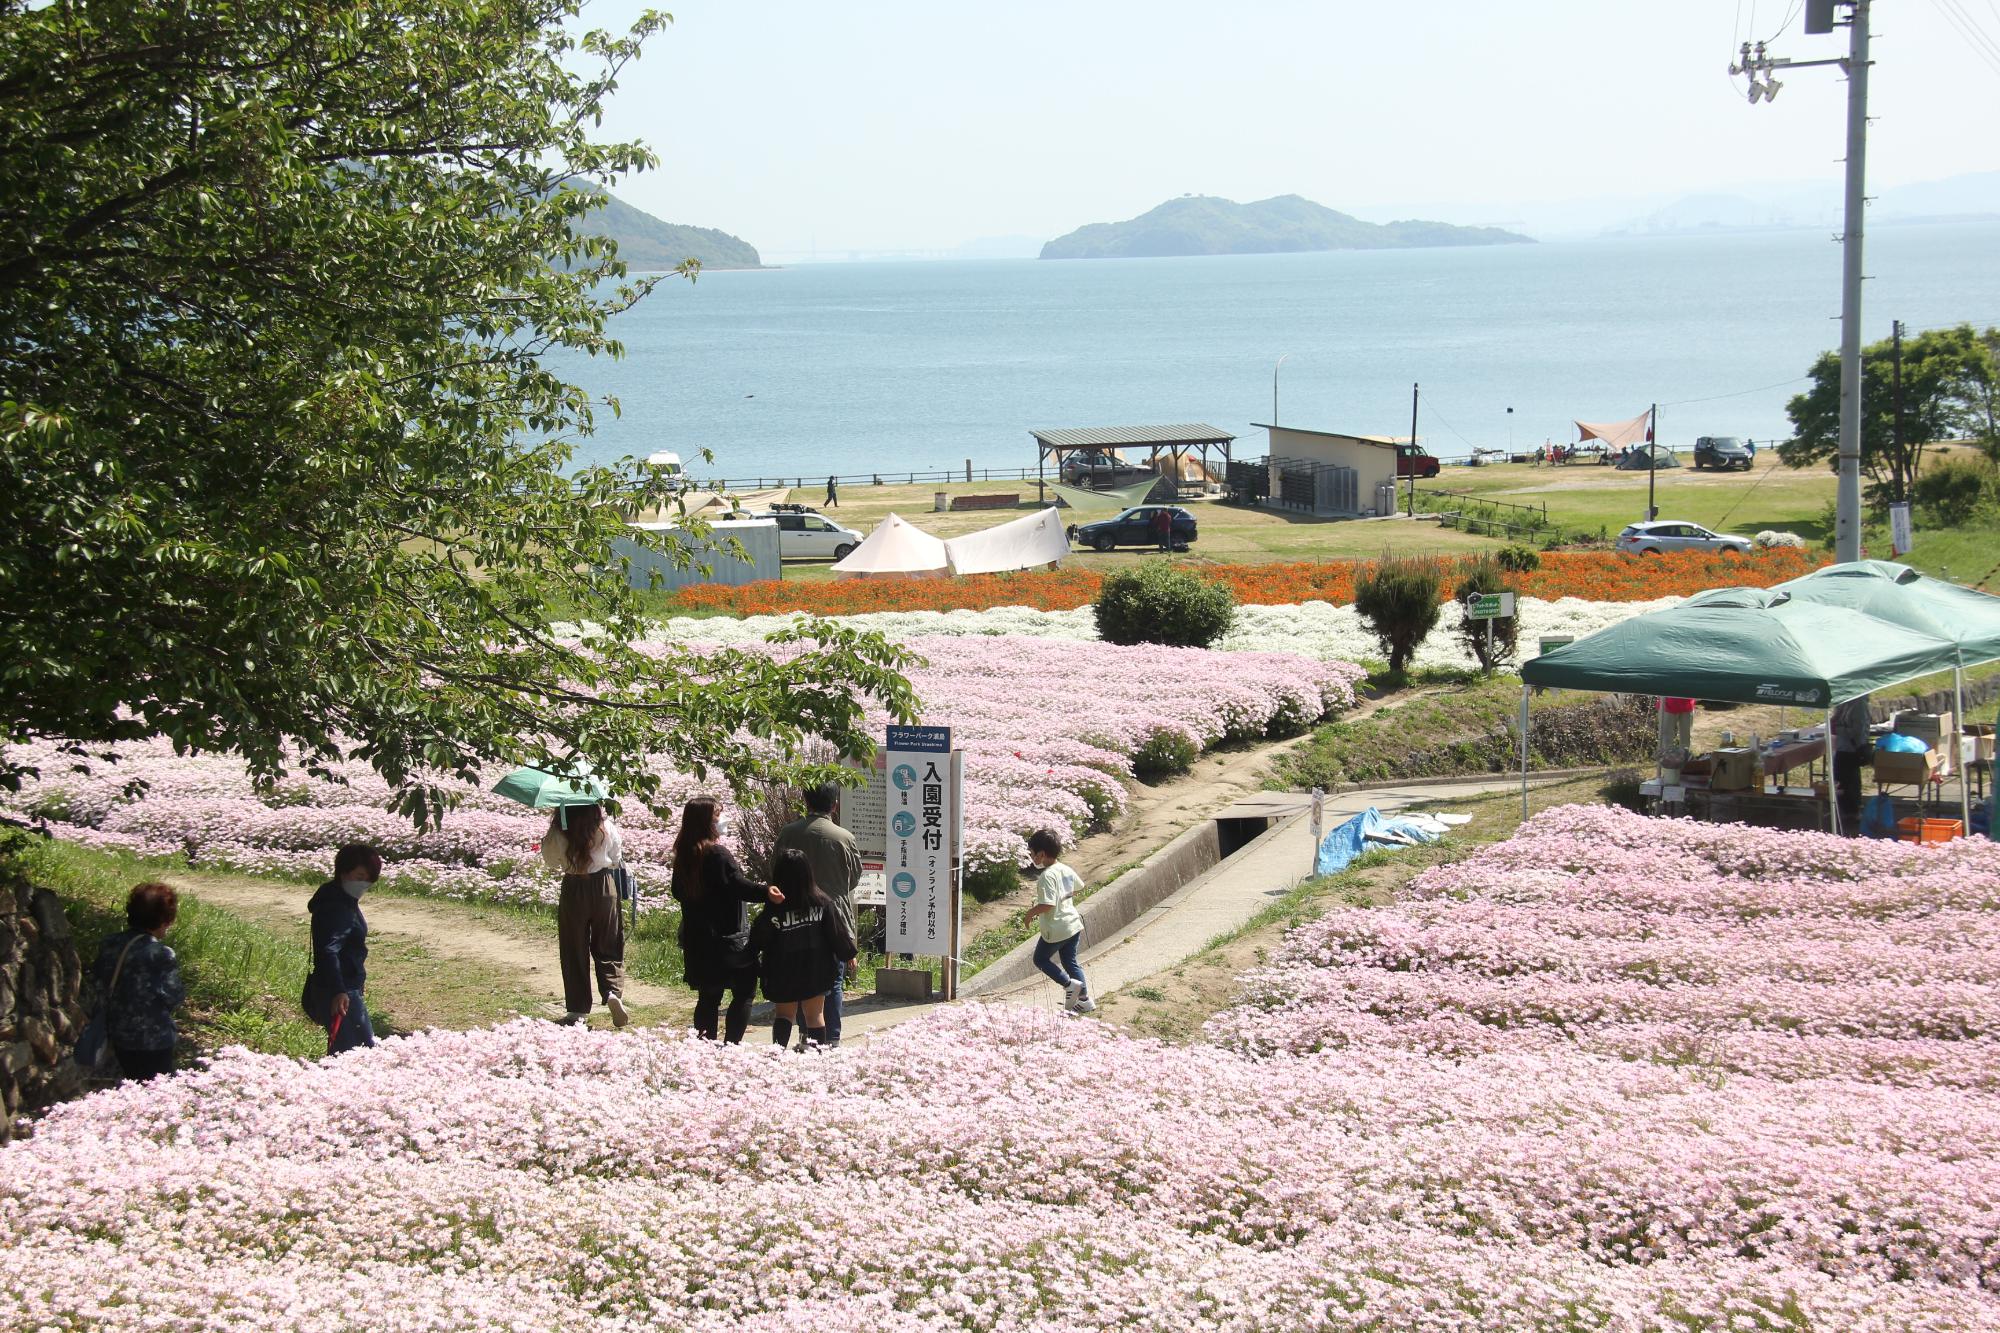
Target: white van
[(806, 535)]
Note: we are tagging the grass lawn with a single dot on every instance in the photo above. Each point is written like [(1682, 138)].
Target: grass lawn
[(1588, 497)]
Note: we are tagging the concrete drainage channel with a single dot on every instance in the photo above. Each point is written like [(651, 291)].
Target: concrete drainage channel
[(1123, 907)]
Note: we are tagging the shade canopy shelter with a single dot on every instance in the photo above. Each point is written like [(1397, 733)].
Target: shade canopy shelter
[(1174, 440), (1818, 641), (1639, 430), (1110, 499), (896, 549), (1027, 542)]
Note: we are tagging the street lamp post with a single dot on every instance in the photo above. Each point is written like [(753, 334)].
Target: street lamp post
[(1510, 432), (1274, 385)]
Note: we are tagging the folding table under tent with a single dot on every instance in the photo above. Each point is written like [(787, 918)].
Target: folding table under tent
[(1744, 645)]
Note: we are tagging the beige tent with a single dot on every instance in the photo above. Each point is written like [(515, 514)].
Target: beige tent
[(895, 549), (1027, 542), (1619, 433)]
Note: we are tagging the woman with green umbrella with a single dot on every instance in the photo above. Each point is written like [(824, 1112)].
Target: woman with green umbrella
[(584, 846)]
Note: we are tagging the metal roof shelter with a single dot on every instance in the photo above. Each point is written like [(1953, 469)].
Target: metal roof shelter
[(1176, 440)]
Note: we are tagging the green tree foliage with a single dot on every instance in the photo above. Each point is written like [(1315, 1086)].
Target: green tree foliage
[(282, 468), (1485, 574), (1950, 378), (1160, 603), (1398, 597)]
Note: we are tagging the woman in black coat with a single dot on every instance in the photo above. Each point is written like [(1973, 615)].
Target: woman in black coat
[(714, 894), (801, 945)]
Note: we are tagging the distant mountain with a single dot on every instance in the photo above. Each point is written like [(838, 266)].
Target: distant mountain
[(1205, 225), (648, 244)]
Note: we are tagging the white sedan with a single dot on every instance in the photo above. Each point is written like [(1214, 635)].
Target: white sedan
[(1653, 538)]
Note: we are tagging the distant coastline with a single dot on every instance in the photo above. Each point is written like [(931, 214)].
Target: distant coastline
[(1287, 224)]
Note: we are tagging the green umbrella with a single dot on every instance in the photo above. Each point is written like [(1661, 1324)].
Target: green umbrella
[(545, 791)]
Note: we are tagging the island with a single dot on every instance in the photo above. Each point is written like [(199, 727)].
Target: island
[(649, 245), (1205, 225)]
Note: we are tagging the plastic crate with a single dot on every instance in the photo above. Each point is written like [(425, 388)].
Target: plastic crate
[(1928, 830)]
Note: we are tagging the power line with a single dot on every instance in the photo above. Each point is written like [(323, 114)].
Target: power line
[(1975, 35), (1740, 393), (1447, 425)]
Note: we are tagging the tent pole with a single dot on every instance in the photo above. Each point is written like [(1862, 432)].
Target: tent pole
[(1524, 752), (1832, 782), (1958, 758)]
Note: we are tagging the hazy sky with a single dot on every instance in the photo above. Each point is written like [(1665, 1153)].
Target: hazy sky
[(897, 124)]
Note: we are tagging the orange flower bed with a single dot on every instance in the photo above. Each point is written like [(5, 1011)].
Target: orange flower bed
[(1597, 576)]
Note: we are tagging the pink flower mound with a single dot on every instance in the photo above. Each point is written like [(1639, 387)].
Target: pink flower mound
[(1049, 726), (993, 1168)]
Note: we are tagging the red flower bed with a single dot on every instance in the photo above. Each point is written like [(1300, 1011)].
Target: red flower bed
[(1598, 576)]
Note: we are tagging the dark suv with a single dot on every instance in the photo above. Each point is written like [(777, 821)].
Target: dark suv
[(1134, 527), (1722, 452)]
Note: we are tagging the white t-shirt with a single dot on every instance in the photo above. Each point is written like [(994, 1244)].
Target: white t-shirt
[(1055, 888), (607, 853)]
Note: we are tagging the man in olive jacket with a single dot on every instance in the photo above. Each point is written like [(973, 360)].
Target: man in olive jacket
[(836, 867)]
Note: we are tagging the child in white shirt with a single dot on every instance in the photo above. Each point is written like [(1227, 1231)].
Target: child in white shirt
[(1061, 924)]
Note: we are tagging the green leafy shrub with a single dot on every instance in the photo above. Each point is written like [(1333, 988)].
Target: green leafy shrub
[(1099, 800), (1484, 574), (990, 880), (1953, 492), (1164, 753), (1159, 603), (1398, 597), (1519, 559)]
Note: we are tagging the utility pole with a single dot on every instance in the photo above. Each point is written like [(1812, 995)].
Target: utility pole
[(1896, 415), (1413, 448), (1652, 461), (1820, 19)]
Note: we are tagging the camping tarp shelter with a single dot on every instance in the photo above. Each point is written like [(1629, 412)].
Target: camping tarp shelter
[(1741, 645), (1110, 499), (895, 549), (1618, 433), (1027, 542)]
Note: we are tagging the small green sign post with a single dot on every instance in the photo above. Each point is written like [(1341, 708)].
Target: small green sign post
[(1490, 605)]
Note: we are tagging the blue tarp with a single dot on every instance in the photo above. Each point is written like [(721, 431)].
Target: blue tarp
[(1347, 841)]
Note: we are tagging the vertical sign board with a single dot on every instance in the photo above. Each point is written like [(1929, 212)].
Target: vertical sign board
[(864, 813), (1900, 535), (923, 807)]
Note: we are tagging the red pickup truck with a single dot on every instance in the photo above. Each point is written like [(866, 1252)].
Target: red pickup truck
[(1413, 460)]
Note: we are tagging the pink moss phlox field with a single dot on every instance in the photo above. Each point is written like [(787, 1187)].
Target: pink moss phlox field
[(993, 1168), (1049, 726)]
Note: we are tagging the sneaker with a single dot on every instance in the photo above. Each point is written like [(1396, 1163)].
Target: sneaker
[(1072, 995), (1084, 1005), (573, 1020), (616, 1004)]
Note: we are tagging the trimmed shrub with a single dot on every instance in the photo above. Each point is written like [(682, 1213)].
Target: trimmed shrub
[(1484, 574), (1953, 491), (1398, 597), (1164, 753), (1159, 603), (1519, 559)]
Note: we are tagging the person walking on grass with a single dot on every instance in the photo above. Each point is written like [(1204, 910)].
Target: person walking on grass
[(1060, 923), (340, 948), (836, 869), (585, 848), (713, 891), (138, 982), (802, 947), (832, 494)]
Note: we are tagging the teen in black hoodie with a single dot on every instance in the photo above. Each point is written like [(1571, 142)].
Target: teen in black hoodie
[(340, 948), (800, 944)]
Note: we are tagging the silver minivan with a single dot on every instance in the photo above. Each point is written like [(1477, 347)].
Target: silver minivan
[(1652, 538)]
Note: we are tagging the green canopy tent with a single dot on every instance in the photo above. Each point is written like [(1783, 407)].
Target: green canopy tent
[(1970, 619), (1742, 645)]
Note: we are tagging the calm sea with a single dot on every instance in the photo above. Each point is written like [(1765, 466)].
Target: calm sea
[(863, 368)]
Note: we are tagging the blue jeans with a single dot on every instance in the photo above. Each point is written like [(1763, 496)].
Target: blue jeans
[(833, 1002), (1047, 956), (355, 1029)]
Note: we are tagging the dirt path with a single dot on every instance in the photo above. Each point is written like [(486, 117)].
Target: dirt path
[(525, 949)]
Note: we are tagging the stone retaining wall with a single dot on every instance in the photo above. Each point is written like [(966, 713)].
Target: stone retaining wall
[(40, 1013)]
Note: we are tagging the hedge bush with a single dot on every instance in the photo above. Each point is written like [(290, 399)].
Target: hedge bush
[(1398, 597), (1159, 603), (1484, 574)]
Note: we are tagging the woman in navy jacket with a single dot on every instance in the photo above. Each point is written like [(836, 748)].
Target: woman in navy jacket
[(340, 947)]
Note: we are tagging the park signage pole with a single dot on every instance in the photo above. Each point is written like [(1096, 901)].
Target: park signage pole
[(1413, 449), (922, 904)]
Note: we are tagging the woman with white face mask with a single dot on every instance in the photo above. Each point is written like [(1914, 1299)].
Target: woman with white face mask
[(340, 950)]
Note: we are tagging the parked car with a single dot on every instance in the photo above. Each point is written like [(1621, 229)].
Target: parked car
[(1413, 460), (1134, 527), (1653, 538), (1096, 468), (1722, 452), (805, 535)]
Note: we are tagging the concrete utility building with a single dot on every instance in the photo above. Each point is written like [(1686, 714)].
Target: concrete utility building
[(1330, 473)]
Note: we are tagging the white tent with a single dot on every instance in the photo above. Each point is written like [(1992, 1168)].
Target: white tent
[(1025, 543), (895, 549)]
